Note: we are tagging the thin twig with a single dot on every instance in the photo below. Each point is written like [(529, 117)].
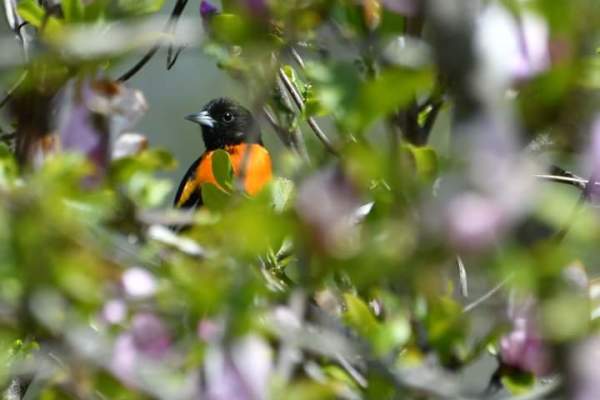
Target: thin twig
[(353, 372), (299, 102), (486, 296), (140, 64), (539, 392), (175, 14), (172, 56), (436, 107), (462, 277), (298, 58), (573, 181), (281, 132), (13, 88)]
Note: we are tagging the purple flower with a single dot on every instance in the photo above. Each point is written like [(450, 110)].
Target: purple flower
[(123, 361), (207, 9), (524, 348), (584, 366), (257, 7), (209, 330), (239, 372), (114, 311), (150, 335), (148, 339), (474, 221), (91, 112), (405, 7)]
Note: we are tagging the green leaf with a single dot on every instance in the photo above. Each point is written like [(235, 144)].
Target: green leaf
[(222, 170), (213, 197), (334, 86), (149, 161), (73, 10), (391, 90), (230, 28), (8, 166), (426, 161), (290, 73), (147, 190), (393, 333), (140, 7), (31, 12), (96, 10), (518, 382), (282, 191), (359, 316)]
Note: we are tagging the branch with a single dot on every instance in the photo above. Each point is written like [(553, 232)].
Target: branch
[(486, 296), (299, 102), (297, 58), (462, 276), (13, 88), (572, 181), (175, 14)]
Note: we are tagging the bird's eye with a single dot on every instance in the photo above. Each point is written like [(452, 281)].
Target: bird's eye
[(227, 117)]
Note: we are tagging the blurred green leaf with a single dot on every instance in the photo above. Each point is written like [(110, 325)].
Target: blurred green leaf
[(359, 316), (230, 28), (140, 7), (213, 197), (31, 12), (8, 166), (307, 391), (73, 10), (282, 191), (222, 170), (518, 382), (147, 190), (150, 160), (426, 161), (388, 92)]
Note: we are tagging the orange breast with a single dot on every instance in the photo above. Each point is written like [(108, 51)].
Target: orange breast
[(258, 170)]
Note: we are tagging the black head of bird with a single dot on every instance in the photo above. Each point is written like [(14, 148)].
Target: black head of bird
[(224, 123)]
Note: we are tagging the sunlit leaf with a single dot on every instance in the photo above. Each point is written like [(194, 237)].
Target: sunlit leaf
[(426, 161), (282, 191), (221, 169), (139, 7), (73, 10), (213, 197), (31, 12), (359, 316), (518, 382)]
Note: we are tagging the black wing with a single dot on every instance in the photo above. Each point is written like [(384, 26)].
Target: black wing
[(195, 199)]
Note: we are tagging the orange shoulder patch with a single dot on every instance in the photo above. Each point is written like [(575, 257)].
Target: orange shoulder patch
[(258, 171)]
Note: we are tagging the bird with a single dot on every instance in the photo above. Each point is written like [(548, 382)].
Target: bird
[(226, 125)]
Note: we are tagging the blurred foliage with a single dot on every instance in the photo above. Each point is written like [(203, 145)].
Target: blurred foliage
[(418, 230)]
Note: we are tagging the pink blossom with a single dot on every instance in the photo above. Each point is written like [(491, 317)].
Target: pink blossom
[(524, 348), (474, 221), (512, 49), (147, 339), (139, 282), (114, 311), (150, 335), (405, 7), (584, 365), (238, 372)]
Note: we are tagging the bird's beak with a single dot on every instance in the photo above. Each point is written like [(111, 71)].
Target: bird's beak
[(201, 118)]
